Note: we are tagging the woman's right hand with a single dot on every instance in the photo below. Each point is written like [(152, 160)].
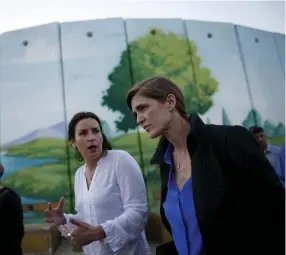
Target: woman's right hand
[(55, 215)]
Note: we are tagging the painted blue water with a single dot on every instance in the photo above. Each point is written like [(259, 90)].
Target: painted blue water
[(14, 164), (28, 201)]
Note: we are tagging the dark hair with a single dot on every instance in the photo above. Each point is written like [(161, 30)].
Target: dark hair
[(158, 88), (256, 129), (1, 170), (71, 130)]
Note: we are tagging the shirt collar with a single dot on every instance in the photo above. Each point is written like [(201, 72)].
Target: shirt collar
[(100, 160), (168, 154), (269, 148)]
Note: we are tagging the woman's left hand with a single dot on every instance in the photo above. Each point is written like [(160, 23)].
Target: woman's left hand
[(85, 234)]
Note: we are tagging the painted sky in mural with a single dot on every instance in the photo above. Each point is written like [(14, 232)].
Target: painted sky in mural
[(35, 95)]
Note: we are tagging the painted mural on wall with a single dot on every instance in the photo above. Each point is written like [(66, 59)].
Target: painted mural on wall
[(229, 75)]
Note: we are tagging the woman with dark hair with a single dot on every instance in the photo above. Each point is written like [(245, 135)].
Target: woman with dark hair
[(11, 220), (110, 195), (219, 193)]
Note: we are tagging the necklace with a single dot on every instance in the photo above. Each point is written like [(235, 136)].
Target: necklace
[(177, 159)]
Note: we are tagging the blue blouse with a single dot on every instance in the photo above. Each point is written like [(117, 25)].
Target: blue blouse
[(180, 212)]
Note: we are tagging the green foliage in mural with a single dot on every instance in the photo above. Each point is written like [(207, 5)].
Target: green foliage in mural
[(275, 133), (41, 148), (278, 141), (164, 54), (279, 130), (269, 128), (253, 118), (50, 180), (225, 119)]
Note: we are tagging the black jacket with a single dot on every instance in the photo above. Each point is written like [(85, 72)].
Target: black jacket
[(11, 222), (239, 200)]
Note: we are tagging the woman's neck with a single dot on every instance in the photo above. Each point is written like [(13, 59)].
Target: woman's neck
[(178, 132), (91, 164)]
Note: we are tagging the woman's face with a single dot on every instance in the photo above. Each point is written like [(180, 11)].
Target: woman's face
[(152, 115), (88, 139)]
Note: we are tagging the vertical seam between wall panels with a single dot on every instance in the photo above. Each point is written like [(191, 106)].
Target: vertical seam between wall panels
[(132, 81), (279, 56), (189, 51), (71, 200), (245, 73)]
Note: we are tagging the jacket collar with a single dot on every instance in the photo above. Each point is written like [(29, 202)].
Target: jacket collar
[(197, 128)]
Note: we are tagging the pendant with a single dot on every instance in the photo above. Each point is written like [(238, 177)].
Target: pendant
[(178, 166)]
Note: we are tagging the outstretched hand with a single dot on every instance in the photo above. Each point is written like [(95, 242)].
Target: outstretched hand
[(55, 215)]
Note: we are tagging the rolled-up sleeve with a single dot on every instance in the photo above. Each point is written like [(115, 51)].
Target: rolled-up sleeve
[(131, 223)]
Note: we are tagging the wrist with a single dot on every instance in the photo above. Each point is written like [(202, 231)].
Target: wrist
[(101, 232), (98, 233), (63, 220)]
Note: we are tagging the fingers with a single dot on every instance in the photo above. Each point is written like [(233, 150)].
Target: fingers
[(80, 223), (61, 204), (59, 207), (49, 208)]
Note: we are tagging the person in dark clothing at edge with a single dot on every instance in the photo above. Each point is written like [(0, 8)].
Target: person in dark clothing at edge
[(11, 221), (219, 192)]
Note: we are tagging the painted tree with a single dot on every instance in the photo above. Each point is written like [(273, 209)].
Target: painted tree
[(279, 130), (165, 54), (225, 119), (269, 128), (253, 118)]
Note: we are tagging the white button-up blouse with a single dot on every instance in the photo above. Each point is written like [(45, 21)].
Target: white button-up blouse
[(117, 201)]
